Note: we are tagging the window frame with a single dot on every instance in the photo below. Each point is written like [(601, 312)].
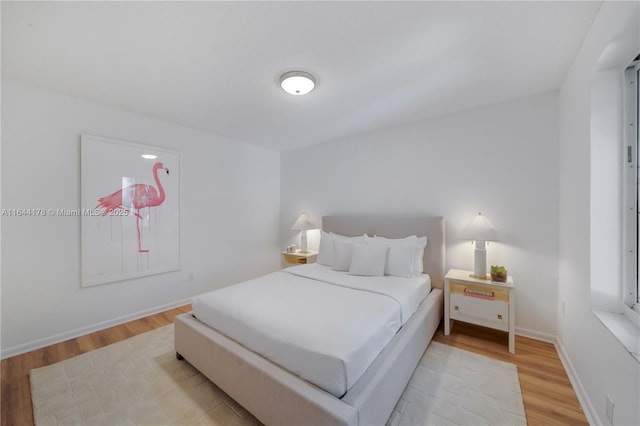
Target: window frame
[(631, 187)]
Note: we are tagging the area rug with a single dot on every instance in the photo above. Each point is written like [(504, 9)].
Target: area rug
[(139, 381), (451, 386)]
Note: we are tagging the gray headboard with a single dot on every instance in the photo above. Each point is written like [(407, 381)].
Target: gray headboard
[(398, 227)]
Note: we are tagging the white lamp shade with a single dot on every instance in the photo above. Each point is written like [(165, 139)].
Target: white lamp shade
[(479, 229), (302, 223)]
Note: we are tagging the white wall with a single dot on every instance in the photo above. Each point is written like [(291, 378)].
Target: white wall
[(601, 365), (224, 186), (500, 160)]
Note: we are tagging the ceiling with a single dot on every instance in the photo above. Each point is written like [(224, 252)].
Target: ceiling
[(215, 66)]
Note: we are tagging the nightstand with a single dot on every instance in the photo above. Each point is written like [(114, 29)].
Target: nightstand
[(481, 302), (300, 258)]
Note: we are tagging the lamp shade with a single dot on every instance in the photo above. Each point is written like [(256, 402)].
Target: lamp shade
[(479, 229), (302, 223)]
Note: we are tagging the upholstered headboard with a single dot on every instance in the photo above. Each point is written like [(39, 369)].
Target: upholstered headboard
[(398, 227)]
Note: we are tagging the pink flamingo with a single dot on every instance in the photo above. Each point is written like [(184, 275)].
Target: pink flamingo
[(136, 196)]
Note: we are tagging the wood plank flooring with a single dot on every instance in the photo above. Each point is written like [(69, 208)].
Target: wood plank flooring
[(548, 396), (15, 405)]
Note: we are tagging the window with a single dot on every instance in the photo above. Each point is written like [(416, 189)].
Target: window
[(637, 177), (631, 185)]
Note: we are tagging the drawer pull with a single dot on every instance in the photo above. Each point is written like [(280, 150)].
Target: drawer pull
[(457, 308), (489, 295), (499, 316)]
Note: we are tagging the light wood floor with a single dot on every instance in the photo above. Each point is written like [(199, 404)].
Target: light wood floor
[(16, 408), (548, 396)]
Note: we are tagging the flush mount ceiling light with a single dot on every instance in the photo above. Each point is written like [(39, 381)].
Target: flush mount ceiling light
[(297, 82)]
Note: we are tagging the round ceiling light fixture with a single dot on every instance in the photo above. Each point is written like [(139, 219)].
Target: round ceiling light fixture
[(297, 82)]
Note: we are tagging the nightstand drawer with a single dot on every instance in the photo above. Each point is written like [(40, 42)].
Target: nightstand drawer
[(478, 305), (293, 258), (480, 292), (299, 257)]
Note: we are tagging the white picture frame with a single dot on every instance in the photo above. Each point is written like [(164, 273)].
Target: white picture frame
[(130, 210)]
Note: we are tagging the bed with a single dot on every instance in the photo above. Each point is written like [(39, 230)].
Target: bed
[(365, 394)]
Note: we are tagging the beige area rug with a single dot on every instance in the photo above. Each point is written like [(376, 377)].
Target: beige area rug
[(455, 387), (139, 381)]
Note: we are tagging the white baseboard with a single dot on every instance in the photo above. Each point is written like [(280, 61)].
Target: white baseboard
[(536, 335), (61, 337), (585, 402)]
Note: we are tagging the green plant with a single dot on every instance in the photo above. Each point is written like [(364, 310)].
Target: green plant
[(498, 273), (498, 270)]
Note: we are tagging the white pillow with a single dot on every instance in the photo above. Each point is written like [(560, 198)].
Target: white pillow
[(400, 261), (368, 260), (418, 255), (342, 250), (326, 250)]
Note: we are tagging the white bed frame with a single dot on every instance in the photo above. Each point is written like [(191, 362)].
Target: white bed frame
[(277, 397)]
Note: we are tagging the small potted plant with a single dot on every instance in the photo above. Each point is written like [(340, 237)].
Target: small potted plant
[(498, 274)]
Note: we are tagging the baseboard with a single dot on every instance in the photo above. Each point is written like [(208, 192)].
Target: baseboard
[(536, 335), (585, 402), (61, 337)]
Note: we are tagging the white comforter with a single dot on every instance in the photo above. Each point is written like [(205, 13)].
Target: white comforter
[(323, 325)]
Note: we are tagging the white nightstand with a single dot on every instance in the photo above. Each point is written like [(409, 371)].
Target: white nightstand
[(482, 302), (300, 258)]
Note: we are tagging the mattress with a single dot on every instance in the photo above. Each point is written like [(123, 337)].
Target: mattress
[(325, 326)]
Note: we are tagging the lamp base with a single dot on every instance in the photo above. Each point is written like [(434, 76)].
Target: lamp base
[(480, 277), (480, 260)]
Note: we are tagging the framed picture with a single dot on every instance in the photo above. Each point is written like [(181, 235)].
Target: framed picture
[(130, 210)]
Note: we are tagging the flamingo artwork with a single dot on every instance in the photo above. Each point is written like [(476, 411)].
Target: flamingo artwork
[(134, 198)]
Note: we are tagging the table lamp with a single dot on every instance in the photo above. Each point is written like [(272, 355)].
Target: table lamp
[(480, 230), (303, 224)]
